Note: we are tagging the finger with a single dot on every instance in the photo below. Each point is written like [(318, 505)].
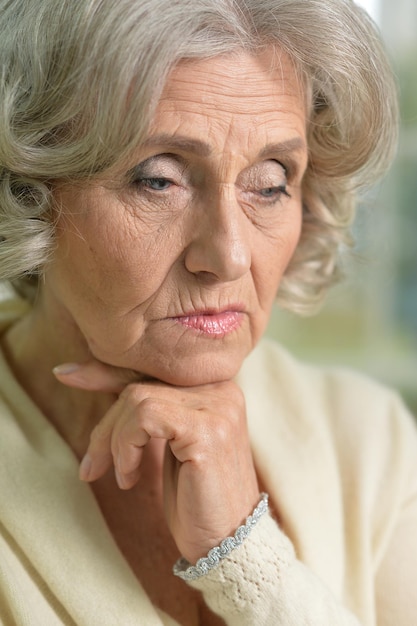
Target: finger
[(118, 439), (156, 418), (127, 481), (94, 375), (92, 469), (130, 437), (98, 457), (104, 448), (127, 459)]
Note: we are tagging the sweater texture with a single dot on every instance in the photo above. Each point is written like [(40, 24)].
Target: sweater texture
[(336, 452)]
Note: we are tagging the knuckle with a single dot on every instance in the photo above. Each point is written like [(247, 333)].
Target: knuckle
[(138, 403), (235, 417), (235, 394), (223, 432), (150, 405), (230, 426), (231, 392), (201, 457), (146, 414), (133, 392)]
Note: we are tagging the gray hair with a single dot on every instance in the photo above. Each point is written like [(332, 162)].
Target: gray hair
[(69, 67)]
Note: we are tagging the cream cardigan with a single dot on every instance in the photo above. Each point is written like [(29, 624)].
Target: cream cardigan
[(338, 456)]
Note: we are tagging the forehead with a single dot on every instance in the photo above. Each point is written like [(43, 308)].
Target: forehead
[(234, 93)]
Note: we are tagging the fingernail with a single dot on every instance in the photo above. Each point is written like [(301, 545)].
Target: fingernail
[(66, 368), (85, 467)]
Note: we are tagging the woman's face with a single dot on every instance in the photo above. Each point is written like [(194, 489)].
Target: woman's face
[(170, 266)]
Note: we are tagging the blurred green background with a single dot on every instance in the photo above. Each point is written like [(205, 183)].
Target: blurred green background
[(369, 322)]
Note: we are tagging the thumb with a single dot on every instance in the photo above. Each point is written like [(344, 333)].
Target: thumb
[(94, 375)]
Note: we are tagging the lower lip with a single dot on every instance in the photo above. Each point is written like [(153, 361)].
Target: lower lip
[(220, 324)]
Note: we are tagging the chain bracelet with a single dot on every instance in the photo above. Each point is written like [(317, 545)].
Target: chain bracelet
[(184, 570)]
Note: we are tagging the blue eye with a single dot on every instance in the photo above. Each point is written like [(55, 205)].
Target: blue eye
[(156, 184), (271, 192)]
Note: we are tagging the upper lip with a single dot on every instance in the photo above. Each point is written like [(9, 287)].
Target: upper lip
[(229, 308)]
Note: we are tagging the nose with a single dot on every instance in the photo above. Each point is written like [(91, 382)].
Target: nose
[(219, 245)]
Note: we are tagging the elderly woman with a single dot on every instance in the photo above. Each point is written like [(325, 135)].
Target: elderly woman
[(167, 169)]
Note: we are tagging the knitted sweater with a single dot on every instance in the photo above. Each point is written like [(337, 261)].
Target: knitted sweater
[(338, 456)]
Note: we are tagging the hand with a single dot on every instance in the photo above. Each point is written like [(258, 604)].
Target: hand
[(210, 483)]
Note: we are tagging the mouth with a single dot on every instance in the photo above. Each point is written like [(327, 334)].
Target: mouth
[(212, 323)]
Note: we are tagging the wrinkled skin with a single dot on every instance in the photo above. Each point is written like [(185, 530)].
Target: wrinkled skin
[(163, 280)]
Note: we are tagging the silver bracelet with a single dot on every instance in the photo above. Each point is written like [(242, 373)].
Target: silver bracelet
[(184, 570)]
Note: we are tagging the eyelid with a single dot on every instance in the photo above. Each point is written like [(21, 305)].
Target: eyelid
[(291, 166), (172, 167), (286, 167), (264, 174), (153, 167)]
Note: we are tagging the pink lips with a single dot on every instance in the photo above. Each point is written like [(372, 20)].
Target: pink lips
[(214, 324)]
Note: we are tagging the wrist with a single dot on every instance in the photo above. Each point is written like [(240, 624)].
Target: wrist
[(186, 571)]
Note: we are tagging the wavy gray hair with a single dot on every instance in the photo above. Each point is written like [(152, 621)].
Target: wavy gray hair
[(68, 68)]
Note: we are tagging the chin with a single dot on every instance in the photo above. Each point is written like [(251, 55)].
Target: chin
[(201, 370), (187, 362)]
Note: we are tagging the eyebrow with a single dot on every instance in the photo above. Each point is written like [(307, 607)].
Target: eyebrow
[(194, 146), (295, 144), (198, 147)]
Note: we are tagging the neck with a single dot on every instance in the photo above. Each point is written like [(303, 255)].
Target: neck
[(33, 346)]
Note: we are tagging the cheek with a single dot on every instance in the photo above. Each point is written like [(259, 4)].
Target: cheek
[(293, 237), (111, 262), (282, 241), (273, 256)]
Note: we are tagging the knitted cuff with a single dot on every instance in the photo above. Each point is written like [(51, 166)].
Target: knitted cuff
[(184, 570)]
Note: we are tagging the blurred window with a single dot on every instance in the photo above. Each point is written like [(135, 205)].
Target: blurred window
[(370, 321)]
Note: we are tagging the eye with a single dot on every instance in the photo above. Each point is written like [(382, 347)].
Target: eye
[(264, 184), (274, 192), (158, 173), (155, 184)]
